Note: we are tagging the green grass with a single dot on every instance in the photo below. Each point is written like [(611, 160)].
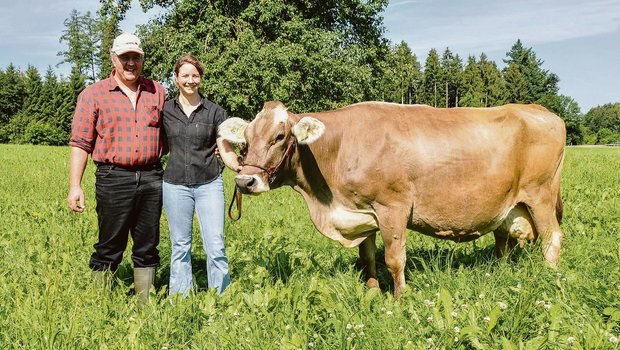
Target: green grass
[(295, 289)]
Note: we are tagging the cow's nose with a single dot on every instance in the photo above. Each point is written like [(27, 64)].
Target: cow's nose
[(245, 183)]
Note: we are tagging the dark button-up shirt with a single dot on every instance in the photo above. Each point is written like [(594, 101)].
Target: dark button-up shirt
[(192, 143), (106, 124)]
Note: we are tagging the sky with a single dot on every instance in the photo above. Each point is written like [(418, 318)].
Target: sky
[(578, 40)]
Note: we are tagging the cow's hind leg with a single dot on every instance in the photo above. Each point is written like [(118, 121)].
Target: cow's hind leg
[(367, 251), (548, 228)]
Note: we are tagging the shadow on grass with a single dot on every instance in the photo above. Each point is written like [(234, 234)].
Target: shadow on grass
[(280, 266)]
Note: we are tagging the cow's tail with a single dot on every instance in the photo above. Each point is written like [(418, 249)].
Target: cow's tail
[(559, 208)]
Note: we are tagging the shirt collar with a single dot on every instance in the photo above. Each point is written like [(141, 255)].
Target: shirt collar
[(204, 103)]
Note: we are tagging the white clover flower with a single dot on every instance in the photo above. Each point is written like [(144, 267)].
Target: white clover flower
[(487, 319), (287, 327), (613, 339), (456, 339), (481, 296), (487, 275), (519, 285), (361, 333), (131, 319), (539, 303), (349, 326), (359, 326), (570, 340), (430, 340), (349, 339), (464, 306), (401, 328), (428, 285), (454, 314), (389, 313), (310, 344), (429, 319), (429, 303), (236, 314), (457, 330), (547, 306), (502, 306), (164, 348)]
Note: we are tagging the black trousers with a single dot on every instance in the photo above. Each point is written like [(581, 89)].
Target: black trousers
[(129, 200)]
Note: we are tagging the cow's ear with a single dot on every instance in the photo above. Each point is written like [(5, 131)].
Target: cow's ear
[(308, 130), (232, 129)]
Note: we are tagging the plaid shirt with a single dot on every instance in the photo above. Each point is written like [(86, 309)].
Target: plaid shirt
[(106, 125)]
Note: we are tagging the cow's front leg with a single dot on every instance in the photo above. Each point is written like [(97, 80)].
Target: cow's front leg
[(392, 224), (367, 251)]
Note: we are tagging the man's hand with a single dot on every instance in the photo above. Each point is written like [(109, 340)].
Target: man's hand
[(75, 199)]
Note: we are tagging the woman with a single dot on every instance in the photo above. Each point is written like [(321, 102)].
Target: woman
[(193, 178)]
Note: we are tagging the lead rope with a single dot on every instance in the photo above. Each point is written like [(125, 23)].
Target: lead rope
[(237, 196)]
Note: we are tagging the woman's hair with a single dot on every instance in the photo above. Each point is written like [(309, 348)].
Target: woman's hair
[(188, 59)]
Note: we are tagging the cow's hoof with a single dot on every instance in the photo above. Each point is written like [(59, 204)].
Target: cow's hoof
[(372, 283)]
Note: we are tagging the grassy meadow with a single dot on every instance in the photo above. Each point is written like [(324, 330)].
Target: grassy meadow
[(295, 289)]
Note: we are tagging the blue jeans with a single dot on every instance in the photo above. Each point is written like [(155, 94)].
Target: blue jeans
[(207, 200)]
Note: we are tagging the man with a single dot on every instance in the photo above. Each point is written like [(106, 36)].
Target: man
[(118, 121)]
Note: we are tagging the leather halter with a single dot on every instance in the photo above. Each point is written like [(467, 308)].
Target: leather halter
[(271, 171)]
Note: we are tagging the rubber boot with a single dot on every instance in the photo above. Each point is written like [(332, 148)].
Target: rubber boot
[(143, 279)]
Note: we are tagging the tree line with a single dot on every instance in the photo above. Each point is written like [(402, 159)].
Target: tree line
[(311, 55)]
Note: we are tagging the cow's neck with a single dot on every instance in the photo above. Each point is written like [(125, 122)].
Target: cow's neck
[(312, 168)]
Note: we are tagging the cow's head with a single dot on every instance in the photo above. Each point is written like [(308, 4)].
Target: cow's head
[(268, 143)]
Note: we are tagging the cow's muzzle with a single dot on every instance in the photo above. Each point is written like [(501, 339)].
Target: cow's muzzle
[(251, 184)]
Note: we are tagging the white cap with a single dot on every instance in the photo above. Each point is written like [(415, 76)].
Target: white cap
[(127, 42)]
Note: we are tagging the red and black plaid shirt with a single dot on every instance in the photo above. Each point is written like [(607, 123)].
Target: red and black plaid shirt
[(106, 125)]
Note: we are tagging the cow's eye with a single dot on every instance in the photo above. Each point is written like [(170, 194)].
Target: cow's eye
[(279, 138)]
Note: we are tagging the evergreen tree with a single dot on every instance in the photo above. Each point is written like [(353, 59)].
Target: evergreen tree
[(492, 82), (72, 88), (81, 35), (432, 89), (12, 93), (48, 100), (516, 85), (473, 87), (403, 78), (452, 68), (538, 82)]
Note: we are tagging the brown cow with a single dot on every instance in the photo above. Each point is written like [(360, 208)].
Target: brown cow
[(448, 173)]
